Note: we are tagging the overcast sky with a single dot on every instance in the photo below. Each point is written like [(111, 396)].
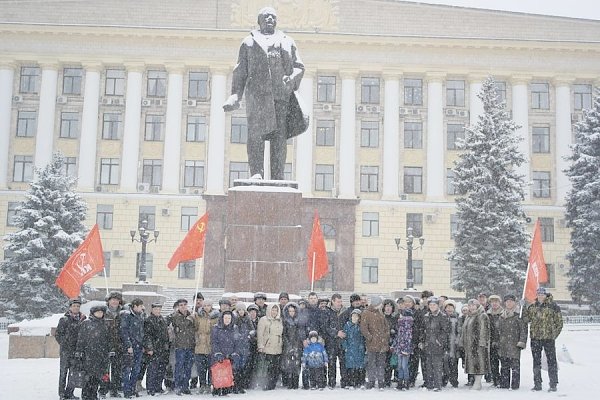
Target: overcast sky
[(589, 9)]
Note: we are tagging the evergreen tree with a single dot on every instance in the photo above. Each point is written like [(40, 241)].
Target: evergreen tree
[(51, 228), (583, 208), (491, 243)]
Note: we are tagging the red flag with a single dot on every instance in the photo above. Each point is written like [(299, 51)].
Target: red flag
[(84, 263), (316, 252), (192, 245), (536, 268)]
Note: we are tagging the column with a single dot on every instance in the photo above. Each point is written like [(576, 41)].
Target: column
[(131, 128), (347, 155), (6, 92), (391, 136), (89, 128), (475, 103), (172, 150), (435, 137), (563, 137), (44, 139), (520, 112), (215, 164), (304, 143)]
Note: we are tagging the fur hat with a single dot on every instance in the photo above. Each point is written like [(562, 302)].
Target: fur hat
[(312, 334), (260, 295), (408, 298), (450, 303), (75, 301), (115, 295), (354, 297), (97, 308), (542, 290), (494, 297), (240, 306), (375, 301), (156, 305), (356, 311), (510, 297), (283, 295), (225, 301), (251, 307)]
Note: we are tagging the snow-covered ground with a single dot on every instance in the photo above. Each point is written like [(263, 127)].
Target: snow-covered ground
[(35, 379)]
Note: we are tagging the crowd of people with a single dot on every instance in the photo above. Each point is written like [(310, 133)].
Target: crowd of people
[(373, 342)]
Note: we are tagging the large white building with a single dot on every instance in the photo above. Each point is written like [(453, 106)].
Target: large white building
[(131, 93)]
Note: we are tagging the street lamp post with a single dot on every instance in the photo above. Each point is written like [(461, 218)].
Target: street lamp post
[(144, 240), (409, 248)]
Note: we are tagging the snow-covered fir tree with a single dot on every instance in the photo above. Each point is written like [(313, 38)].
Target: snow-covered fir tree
[(583, 208), (491, 243), (50, 222)]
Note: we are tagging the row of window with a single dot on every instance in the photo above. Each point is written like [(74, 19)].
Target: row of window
[(370, 88), (186, 270)]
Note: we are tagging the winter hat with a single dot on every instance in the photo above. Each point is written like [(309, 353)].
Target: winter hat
[(375, 301), (156, 305), (260, 295), (433, 299), (542, 290), (323, 300), (97, 308), (74, 301), (356, 311), (200, 296), (240, 306), (225, 301), (115, 295), (510, 297), (180, 301), (354, 297), (408, 299), (251, 307), (137, 302), (425, 294), (449, 303), (312, 334), (482, 295), (389, 302), (283, 295), (473, 302), (494, 297)]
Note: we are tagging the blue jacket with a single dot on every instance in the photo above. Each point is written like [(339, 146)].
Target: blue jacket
[(314, 356), (132, 329), (224, 342), (354, 346)]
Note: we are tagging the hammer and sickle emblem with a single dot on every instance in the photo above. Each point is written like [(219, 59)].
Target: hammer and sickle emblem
[(201, 226)]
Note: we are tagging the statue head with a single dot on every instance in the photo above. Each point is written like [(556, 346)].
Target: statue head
[(267, 20)]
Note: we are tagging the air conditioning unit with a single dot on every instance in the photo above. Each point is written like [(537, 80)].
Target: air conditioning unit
[(430, 218), (360, 108), (415, 111), (106, 101), (450, 112), (159, 102), (154, 189), (144, 187), (17, 99), (191, 103), (404, 111), (403, 196), (327, 107), (562, 223), (165, 212), (99, 188), (576, 117), (118, 253), (61, 100), (146, 102), (183, 191), (118, 101), (462, 113), (197, 191), (374, 109)]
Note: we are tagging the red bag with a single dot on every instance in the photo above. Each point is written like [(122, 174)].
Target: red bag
[(222, 374)]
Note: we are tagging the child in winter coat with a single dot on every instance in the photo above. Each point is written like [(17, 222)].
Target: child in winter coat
[(403, 346), (354, 350), (314, 359)]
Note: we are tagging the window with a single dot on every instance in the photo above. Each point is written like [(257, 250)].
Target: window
[(238, 170), (328, 230), (69, 125), (413, 135), (29, 80), (149, 264), (450, 186), (154, 125), (369, 179), (23, 169), (69, 167), (540, 139), (582, 97), (187, 270), (455, 93), (72, 80), (323, 177), (453, 225), (115, 82), (104, 216), (414, 221), (239, 130), (12, 213), (370, 224), (501, 91), (370, 267), (111, 126), (326, 89), (287, 171), (198, 85), (148, 214), (325, 133), (152, 172), (455, 132), (109, 171), (413, 92), (551, 276), (369, 93), (189, 215), (547, 227), (106, 269), (413, 180), (540, 96), (157, 83), (454, 271), (369, 133), (26, 123), (541, 184), (196, 128), (417, 267), (193, 174)]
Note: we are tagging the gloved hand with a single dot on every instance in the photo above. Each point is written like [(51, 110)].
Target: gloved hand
[(219, 357), (421, 345), (522, 345), (252, 333), (392, 332)]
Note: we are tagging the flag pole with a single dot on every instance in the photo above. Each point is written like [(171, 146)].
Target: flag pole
[(524, 288), (198, 281), (105, 280), (312, 278)]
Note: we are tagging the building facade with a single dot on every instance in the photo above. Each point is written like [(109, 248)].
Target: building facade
[(132, 92)]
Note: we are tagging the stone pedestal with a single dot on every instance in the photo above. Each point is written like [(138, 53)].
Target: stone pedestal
[(148, 292), (265, 248)]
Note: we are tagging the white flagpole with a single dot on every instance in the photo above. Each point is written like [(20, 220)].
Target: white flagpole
[(105, 280), (312, 278), (198, 280), (524, 288)]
